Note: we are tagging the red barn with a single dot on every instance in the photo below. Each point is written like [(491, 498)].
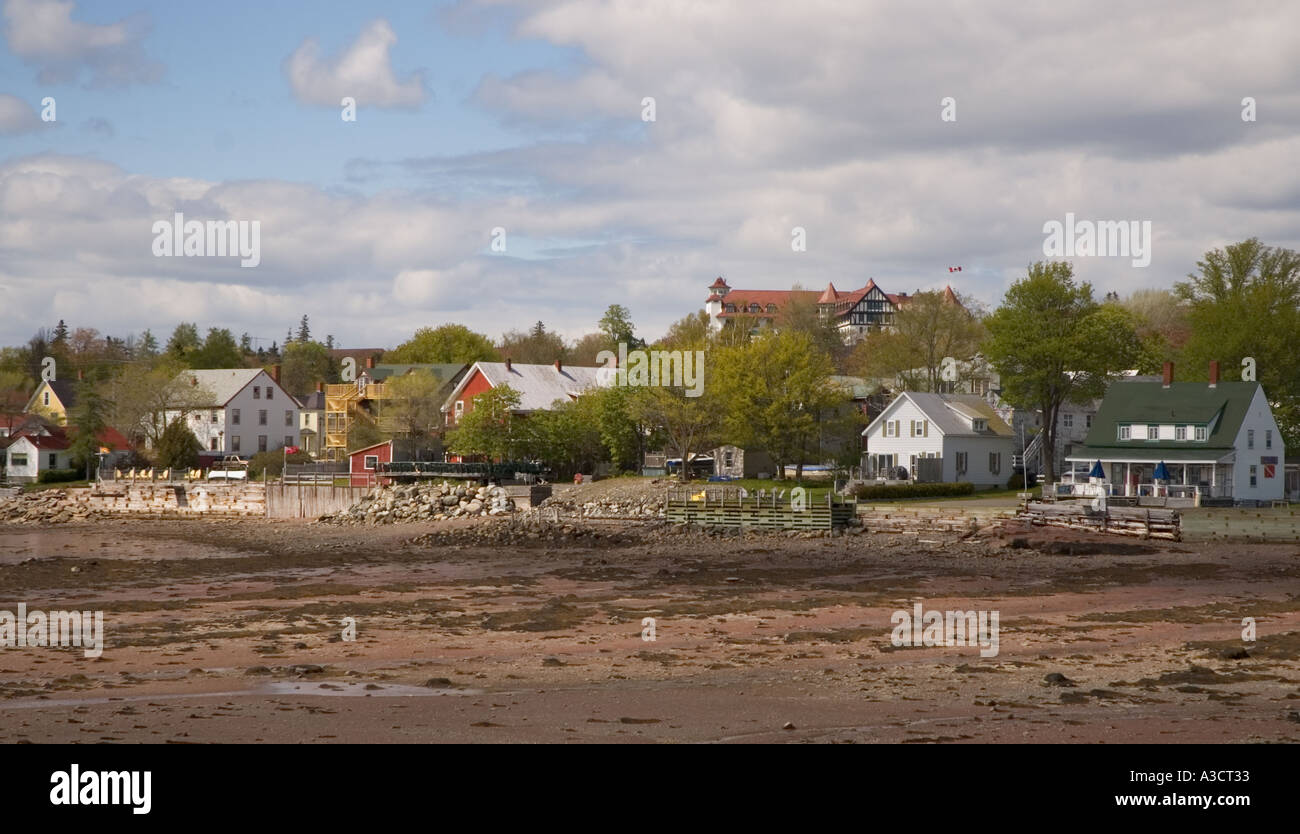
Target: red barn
[(363, 464)]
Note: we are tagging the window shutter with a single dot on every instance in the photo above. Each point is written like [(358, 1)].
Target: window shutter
[(925, 428)]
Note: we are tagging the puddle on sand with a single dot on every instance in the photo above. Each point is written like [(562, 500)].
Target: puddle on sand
[(277, 688), (353, 688)]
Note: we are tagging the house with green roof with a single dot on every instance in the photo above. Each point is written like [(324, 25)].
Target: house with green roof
[(1216, 440)]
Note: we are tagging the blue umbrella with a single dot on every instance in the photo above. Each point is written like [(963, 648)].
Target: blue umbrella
[(1097, 471), (1162, 472)]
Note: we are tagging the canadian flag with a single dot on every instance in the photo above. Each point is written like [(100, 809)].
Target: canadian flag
[(291, 450)]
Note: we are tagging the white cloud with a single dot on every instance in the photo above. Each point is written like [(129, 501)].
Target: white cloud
[(364, 71), (17, 116), (44, 35)]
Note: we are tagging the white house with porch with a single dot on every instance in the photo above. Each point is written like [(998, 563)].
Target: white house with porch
[(940, 437), (1216, 440)]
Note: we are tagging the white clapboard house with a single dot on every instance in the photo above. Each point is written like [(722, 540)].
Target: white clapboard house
[(940, 437)]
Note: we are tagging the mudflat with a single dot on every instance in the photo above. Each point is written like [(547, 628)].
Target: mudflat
[(483, 632)]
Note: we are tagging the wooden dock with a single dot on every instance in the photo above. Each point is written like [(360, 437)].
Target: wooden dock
[(1144, 522)]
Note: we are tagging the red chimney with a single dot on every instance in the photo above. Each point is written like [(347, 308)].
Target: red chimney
[(1214, 372), (370, 361), (558, 366), (320, 388), (275, 373), (1169, 374)]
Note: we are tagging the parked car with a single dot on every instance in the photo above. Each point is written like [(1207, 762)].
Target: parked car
[(230, 468)]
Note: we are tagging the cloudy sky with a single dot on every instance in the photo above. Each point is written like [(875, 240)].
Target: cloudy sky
[(528, 116)]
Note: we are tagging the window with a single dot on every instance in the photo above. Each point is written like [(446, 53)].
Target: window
[(270, 392), (961, 463), (234, 442), (215, 416), (261, 443), (1067, 420), (1153, 432), (261, 417), (460, 409), (17, 459), (1268, 438), (1200, 432), (979, 425), (1252, 475), (1180, 432), (288, 440), (995, 463), (1250, 438), (234, 416), (257, 392), (1124, 432), (54, 460), (371, 462), (47, 398), (212, 444), (1087, 421), (727, 458), (288, 417)]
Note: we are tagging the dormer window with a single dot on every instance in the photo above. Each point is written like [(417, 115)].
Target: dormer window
[(979, 424)]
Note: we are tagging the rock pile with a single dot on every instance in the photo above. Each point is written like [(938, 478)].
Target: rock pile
[(425, 502), (46, 506), (647, 508)]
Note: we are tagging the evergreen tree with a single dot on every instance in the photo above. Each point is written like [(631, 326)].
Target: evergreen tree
[(178, 448), (89, 417), (304, 332)]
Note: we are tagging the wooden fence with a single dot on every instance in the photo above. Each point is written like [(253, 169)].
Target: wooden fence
[(309, 500), (774, 510), (1145, 522)]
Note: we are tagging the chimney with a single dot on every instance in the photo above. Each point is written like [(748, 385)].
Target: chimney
[(1214, 373), (320, 388), (1169, 373), (275, 373), (558, 367), (507, 364), (370, 361)]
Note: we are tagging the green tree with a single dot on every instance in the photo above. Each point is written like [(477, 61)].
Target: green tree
[(1051, 342), (617, 326), (148, 347), (693, 330), (447, 344), (303, 365), (184, 341), (178, 448), (537, 347), (1244, 301), (490, 426), (803, 315), (413, 410), (567, 436), (928, 329), (219, 350), (1161, 320), (774, 392), (89, 417)]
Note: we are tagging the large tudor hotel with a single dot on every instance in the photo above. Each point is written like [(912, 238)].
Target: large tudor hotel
[(856, 313)]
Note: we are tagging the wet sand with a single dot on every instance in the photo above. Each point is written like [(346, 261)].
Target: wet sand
[(234, 632)]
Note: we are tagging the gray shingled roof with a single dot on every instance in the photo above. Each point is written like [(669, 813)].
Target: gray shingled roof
[(541, 385), (943, 410), (222, 383)]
